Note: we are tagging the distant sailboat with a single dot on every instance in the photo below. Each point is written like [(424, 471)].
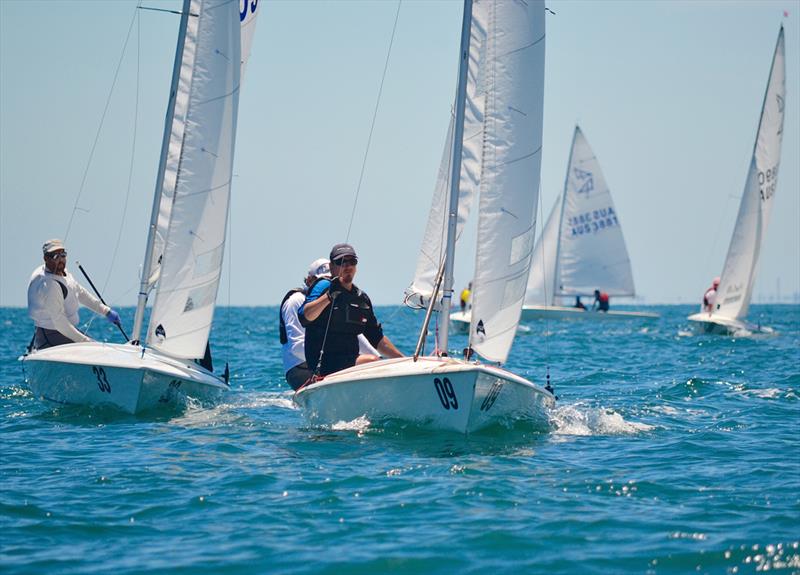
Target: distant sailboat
[(185, 246), (581, 248), (494, 145), (739, 273)]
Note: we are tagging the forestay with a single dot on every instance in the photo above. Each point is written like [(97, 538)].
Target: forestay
[(432, 250), (739, 272), (542, 279), (591, 253), (197, 180), (512, 73)]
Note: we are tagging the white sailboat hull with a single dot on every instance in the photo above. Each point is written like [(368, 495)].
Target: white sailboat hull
[(459, 321), (530, 312), (119, 375), (432, 393), (707, 323)]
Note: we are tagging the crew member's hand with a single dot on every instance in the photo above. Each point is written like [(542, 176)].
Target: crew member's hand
[(335, 289), (113, 317)]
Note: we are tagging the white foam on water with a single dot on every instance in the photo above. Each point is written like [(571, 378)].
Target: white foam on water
[(282, 399), (359, 424), (666, 409), (577, 419)]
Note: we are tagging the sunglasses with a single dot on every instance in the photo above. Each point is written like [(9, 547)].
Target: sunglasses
[(58, 256), (346, 262)]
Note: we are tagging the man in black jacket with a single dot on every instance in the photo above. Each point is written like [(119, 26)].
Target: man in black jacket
[(335, 312)]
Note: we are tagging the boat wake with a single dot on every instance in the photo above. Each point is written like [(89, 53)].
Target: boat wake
[(579, 419)]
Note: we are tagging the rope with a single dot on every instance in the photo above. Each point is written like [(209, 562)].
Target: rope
[(133, 152), (100, 127), (327, 327), (372, 126)]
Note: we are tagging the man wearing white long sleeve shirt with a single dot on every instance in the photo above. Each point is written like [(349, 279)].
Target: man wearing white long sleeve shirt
[(54, 297)]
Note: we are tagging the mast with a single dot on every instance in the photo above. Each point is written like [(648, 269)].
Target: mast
[(151, 234), (455, 173), (557, 268)]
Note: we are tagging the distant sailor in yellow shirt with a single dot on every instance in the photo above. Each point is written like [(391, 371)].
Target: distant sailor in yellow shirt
[(465, 294)]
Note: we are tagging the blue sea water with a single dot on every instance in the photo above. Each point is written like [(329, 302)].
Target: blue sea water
[(667, 453)]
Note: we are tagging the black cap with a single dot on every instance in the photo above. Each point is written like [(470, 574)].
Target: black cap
[(341, 250)]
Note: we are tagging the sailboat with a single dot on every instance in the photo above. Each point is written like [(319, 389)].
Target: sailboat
[(186, 239), (494, 147), (738, 275), (581, 249)]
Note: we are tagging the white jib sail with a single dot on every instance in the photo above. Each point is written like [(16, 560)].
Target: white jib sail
[(542, 280), (203, 161), (738, 275), (591, 253), (432, 250), (513, 72)]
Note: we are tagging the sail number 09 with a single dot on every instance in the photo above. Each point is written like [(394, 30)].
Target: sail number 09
[(446, 393)]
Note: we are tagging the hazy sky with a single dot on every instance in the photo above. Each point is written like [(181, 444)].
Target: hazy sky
[(667, 93)]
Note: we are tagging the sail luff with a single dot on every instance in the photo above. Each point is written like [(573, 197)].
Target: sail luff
[(557, 273), (455, 179), (741, 262), (542, 280)]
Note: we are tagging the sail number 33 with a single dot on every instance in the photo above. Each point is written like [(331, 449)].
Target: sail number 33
[(102, 380)]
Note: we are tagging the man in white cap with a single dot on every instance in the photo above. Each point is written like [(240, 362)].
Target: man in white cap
[(54, 297), (292, 334)]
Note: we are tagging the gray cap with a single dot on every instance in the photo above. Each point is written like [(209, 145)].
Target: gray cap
[(52, 245), (341, 250)]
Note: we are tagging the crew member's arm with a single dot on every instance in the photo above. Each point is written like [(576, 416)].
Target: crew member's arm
[(88, 300), (54, 304), (387, 348), (374, 333), (295, 332), (314, 304)]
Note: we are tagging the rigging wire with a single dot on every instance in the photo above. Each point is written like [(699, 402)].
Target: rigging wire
[(374, 117), (100, 126), (133, 149)]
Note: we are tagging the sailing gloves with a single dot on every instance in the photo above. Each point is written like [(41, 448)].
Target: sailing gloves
[(113, 317)]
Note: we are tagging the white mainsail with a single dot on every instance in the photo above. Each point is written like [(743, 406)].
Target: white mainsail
[(432, 250), (591, 253), (513, 75), (738, 274), (197, 180), (542, 280), (247, 19)]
